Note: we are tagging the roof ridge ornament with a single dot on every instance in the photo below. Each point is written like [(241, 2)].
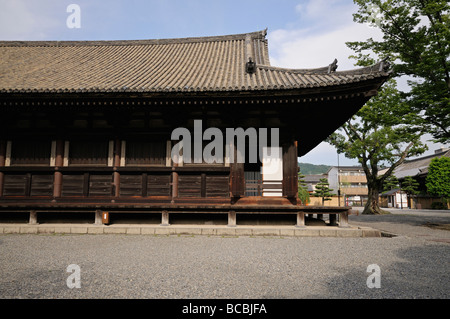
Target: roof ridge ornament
[(333, 66), (385, 65), (250, 66), (264, 32)]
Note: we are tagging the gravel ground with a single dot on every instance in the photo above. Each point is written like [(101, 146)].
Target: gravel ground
[(413, 265), (406, 222), (124, 266)]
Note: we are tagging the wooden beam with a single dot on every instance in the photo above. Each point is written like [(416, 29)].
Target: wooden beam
[(2, 163), (59, 161), (237, 178), (144, 185), (203, 185), (117, 163), (175, 179), (290, 170), (111, 156), (8, 153), (86, 184), (66, 153), (28, 185)]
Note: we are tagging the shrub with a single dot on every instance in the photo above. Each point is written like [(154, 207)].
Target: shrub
[(437, 205)]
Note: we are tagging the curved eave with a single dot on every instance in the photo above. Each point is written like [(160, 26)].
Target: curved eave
[(265, 79)]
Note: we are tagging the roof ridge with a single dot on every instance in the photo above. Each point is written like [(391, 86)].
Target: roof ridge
[(379, 67), (301, 71), (55, 43), (441, 154)]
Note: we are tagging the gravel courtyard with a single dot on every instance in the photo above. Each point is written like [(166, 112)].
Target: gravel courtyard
[(414, 264)]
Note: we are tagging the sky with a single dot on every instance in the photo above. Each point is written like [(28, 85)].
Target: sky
[(301, 33)]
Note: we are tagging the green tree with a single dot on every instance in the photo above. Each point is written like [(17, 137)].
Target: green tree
[(416, 39), (323, 190), (438, 178), (391, 183), (379, 134), (410, 186), (303, 193)]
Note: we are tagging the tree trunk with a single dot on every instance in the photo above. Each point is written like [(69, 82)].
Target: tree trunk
[(372, 207)]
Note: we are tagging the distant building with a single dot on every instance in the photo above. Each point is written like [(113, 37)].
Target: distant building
[(417, 168), (312, 180), (394, 198), (351, 182)]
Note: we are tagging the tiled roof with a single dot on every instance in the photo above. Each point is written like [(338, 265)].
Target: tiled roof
[(419, 166), (314, 178), (205, 64)]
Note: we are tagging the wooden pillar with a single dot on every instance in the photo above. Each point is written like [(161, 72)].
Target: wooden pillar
[(290, 170), (203, 185), (300, 220), (59, 162), (333, 220), (175, 178), (116, 164), (237, 177), (174, 185), (2, 163), (165, 218), (232, 218)]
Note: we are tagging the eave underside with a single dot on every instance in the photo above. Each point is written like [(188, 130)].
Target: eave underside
[(308, 116)]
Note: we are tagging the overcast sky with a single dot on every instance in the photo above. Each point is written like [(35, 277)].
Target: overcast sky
[(301, 33)]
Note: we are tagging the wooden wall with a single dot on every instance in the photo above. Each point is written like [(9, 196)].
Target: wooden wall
[(79, 166)]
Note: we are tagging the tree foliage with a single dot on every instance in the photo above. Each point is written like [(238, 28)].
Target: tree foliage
[(438, 178), (416, 39), (390, 183), (323, 190), (303, 193), (377, 135), (410, 185)]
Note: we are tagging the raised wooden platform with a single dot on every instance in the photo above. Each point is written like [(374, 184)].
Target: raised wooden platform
[(337, 215)]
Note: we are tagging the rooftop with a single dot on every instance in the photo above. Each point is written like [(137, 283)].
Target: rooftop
[(418, 166), (346, 168), (207, 64)]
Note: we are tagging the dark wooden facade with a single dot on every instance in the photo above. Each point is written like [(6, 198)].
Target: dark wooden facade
[(70, 149)]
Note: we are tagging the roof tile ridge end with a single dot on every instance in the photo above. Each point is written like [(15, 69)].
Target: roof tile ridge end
[(322, 70), (382, 67), (56, 43)]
